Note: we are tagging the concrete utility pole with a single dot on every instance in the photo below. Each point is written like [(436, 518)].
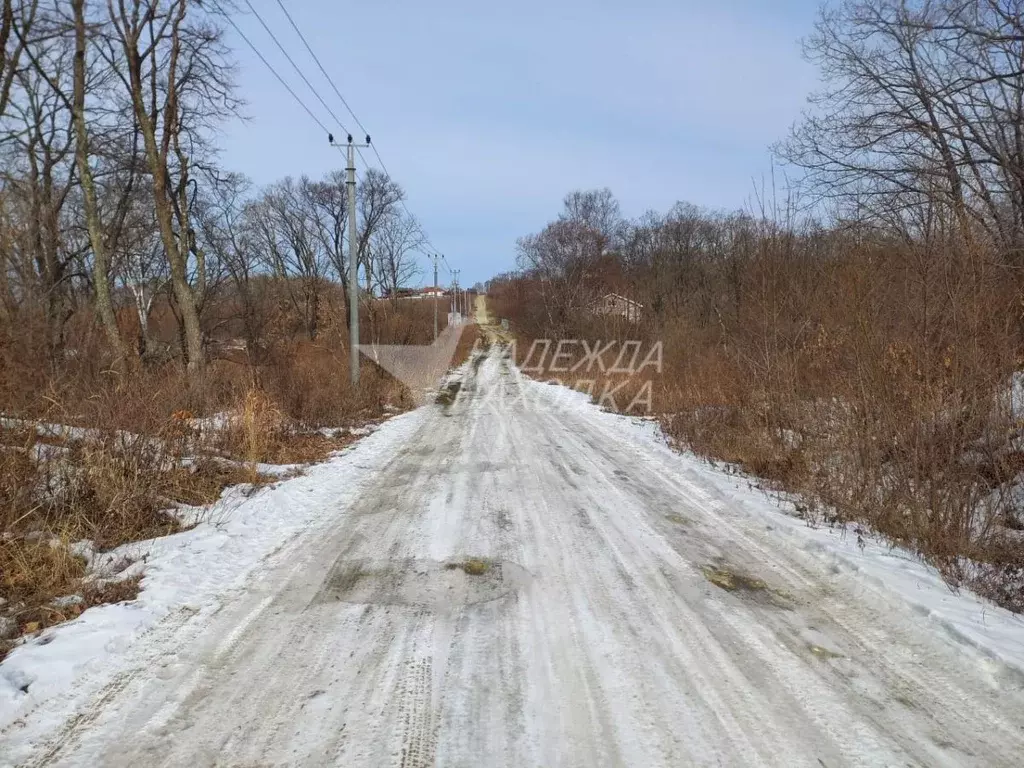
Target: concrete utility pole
[(353, 260), (456, 303), (435, 297), (456, 306)]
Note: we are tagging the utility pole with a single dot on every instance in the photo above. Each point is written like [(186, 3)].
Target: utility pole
[(435, 297), (353, 260), (456, 306)]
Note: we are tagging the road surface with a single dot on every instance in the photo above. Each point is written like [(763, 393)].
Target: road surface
[(522, 587)]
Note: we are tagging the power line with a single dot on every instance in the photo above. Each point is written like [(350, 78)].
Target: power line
[(330, 80), (337, 92), (302, 37), (309, 85), (296, 67), (268, 65)]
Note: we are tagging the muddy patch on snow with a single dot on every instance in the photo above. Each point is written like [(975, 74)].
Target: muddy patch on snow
[(471, 566), (821, 652), (744, 585), (448, 393), (439, 586)]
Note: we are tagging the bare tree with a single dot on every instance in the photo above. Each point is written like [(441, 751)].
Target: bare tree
[(226, 231), (137, 258), (378, 199), (38, 141), (16, 19), (284, 231), (391, 251), (175, 71), (923, 103), (97, 236), (328, 201), (594, 210)]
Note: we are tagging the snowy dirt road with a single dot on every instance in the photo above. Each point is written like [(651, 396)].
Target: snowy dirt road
[(523, 586)]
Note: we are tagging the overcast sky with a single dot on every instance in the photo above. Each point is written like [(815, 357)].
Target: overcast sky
[(488, 113)]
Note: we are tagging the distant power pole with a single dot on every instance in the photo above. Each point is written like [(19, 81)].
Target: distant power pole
[(435, 297), (456, 307), (353, 262), (353, 258)]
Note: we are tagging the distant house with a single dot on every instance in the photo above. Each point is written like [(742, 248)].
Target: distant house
[(401, 293), (618, 305), (420, 293)]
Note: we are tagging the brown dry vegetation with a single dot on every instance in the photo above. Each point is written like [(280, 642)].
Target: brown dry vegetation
[(470, 339), (89, 453)]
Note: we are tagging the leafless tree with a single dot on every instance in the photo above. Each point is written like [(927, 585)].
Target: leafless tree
[(93, 217), (377, 200), (567, 253), (328, 208), (923, 103), (174, 67), (16, 22), (39, 175), (284, 232), (391, 251), (138, 264), (226, 232)]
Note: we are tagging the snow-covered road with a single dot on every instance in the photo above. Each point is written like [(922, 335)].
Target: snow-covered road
[(531, 582)]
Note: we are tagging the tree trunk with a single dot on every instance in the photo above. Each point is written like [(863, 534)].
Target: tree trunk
[(176, 248), (101, 259)]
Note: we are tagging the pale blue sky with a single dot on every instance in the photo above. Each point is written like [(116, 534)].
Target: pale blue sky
[(489, 113)]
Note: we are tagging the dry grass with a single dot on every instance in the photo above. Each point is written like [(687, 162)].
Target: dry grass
[(36, 571), (42, 584), (261, 433), (472, 338), (730, 580), (139, 453)]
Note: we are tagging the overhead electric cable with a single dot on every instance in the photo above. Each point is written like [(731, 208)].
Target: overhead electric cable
[(341, 98), (295, 66), (273, 71), (309, 85)]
